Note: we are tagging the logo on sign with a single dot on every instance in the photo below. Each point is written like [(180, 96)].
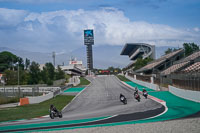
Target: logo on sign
[(88, 33)]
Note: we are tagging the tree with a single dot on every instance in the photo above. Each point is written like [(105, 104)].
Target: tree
[(190, 48), (141, 63), (60, 74), (44, 75), (48, 73), (27, 63), (114, 70), (111, 69), (34, 73), (50, 70), (10, 77), (7, 61), (170, 50), (20, 62)]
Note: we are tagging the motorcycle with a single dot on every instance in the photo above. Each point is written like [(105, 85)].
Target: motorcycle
[(123, 99), (137, 97), (145, 94), (55, 114)]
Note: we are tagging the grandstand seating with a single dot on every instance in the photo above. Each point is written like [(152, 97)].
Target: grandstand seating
[(174, 68), (193, 68), (181, 63), (193, 56), (160, 60)]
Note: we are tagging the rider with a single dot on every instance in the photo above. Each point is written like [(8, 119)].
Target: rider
[(52, 107), (136, 91), (144, 90), (121, 96)]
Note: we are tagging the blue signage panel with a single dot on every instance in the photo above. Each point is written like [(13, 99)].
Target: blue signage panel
[(88, 33), (88, 37)]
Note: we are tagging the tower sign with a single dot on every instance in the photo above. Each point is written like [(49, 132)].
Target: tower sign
[(89, 41)]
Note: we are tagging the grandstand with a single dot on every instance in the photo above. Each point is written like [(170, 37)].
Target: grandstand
[(183, 63), (193, 68), (162, 63), (138, 50), (135, 50)]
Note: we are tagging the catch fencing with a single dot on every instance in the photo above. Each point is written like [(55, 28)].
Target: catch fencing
[(188, 81)]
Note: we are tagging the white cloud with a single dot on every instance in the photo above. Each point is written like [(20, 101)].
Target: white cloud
[(63, 29), (196, 29), (11, 17)]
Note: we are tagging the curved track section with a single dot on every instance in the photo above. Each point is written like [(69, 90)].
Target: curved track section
[(99, 99)]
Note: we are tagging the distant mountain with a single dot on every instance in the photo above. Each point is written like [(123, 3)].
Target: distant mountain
[(103, 55), (33, 56)]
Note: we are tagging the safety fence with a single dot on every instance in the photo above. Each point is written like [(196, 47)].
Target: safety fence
[(13, 91), (188, 81)]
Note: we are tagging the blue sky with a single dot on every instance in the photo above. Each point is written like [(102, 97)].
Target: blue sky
[(38, 25)]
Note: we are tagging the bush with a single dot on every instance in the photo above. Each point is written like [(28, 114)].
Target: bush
[(6, 100)]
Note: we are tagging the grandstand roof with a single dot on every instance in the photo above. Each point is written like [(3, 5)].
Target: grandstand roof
[(129, 47), (159, 61)]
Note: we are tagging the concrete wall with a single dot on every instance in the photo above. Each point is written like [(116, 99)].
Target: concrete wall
[(149, 85), (186, 94), (74, 80), (40, 99)]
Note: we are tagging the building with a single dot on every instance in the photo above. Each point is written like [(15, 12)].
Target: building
[(75, 68), (138, 50)]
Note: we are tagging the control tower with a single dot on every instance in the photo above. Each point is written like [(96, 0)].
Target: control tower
[(89, 41)]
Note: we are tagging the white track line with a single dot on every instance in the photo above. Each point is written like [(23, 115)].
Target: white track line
[(151, 97), (76, 96)]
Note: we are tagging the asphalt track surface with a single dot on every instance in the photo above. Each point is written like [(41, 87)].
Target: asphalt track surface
[(100, 98)]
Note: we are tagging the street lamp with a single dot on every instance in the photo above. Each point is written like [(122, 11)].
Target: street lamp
[(18, 73), (18, 78)]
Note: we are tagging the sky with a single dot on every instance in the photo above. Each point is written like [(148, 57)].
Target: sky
[(57, 25)]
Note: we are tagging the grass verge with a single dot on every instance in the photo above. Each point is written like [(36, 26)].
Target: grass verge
[(83, 81), (6, 100), (34, 110), (122, 78)]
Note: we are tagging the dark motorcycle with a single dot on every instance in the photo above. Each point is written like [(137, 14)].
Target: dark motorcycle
[(55, 114), (145, 94), (123, 99), (137, 96)]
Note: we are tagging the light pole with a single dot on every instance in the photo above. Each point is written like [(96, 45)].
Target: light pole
[(18, 78), (18, 73)]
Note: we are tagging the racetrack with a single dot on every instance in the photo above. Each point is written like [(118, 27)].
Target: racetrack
[(99, 100)]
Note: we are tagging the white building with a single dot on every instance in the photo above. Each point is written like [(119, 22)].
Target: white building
[(74, 68)]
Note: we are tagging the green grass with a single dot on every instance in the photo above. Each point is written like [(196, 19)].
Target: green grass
[(5, 100), (34, 110), (83, 82), (122, 78), (67, 77)]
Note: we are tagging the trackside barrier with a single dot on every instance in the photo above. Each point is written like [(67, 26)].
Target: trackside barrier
[(146, 84), (23, 101), (151, 97), (186, 94), (39, 99)]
